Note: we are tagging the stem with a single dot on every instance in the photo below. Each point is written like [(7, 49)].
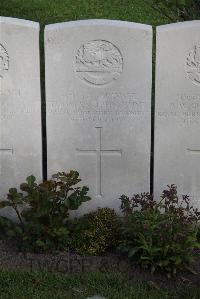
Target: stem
[(19, 216)]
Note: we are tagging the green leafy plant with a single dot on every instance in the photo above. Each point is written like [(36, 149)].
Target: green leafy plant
[(177, 10), (95, 232), (43, 210), (160, 235)]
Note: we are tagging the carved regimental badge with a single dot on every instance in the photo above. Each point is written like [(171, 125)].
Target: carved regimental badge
[(98, 62), (193, 64), (4, 61)]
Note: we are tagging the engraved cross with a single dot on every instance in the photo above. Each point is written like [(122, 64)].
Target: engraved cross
[(194, 179), (7, 151), (193, 151), (99, 152)]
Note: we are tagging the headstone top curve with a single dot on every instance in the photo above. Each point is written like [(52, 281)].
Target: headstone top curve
[(19, 22), (178, 25), (98, 22)]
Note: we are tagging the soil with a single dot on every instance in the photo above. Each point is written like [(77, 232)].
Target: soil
[(69, 263)]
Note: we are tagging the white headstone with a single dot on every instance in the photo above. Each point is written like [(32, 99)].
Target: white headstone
[(20, 103), (98, 91), (177, 109)]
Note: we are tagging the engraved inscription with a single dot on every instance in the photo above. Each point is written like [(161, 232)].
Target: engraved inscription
[(99, 152), (185, 108), (193, 64), (11, 110), (98, 62), (4, 61), (107, 107)]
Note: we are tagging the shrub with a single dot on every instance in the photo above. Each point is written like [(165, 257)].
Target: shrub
[(43, 210), (160, 235), (95, 232), (179, 10)]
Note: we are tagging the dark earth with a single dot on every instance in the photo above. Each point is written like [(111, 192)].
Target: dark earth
[(70, 263)]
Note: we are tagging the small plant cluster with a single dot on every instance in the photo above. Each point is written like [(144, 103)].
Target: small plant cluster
[(95, 232), (160, 235), (43, 210)]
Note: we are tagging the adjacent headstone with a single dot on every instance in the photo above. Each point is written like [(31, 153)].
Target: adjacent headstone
[(98, 91), (177, 109), (20, 103)]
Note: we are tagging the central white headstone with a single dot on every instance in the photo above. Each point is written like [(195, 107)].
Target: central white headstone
[(20, 103), (98, 91)]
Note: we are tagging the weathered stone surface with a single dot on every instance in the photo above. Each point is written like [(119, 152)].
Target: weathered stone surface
[(20, 102), (98, 90), (177, 109)]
